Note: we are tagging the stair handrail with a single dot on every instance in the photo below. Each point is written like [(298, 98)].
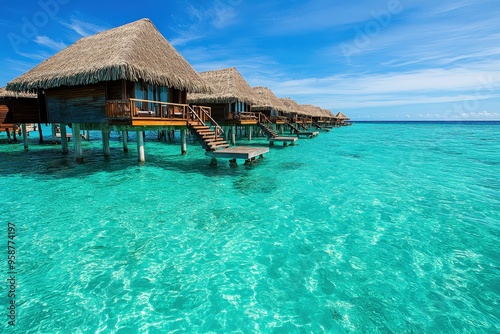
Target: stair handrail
[(266, 120), (218, 128)]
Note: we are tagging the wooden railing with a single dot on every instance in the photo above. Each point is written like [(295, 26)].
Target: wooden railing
[(245, 115), (276, 119), (263, 118), (134, 108), (202, 114)]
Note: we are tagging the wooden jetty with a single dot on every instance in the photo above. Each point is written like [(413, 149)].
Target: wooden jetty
[(308, 134), (283, 139), (249, 154)]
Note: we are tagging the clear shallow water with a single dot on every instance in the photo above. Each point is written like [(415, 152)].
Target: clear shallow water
[(374, 228)]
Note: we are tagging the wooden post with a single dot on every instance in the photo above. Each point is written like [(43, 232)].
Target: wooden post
[(249, 133), (233, 135), (105, 143), (140, 145), (25, 136), (225, 128), (125, 141), (40, 132), (54, 126), (64, 139), (78, 143), (7, 131), (183, 141)]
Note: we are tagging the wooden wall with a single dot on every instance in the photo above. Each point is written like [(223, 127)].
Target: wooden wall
[(21, 110), (81, 104), (5, 115), (217, 109)]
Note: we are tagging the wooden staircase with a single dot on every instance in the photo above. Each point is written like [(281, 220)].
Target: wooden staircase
[(317, 125), (293, 127), (270, 133), (210, 138)]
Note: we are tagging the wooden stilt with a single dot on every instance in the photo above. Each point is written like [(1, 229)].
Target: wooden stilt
[(54, 130), (40, 133), (183, 141), (64, 139), (225, 128), (7, 131), (125, 141), (249, 133), (140, 146), (14, 135), (233, 135), (213, 162), (105, 143), (25, 136), (78, 143), (233, 163)]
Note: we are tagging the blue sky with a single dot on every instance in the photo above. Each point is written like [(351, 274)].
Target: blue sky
[(371, 59)]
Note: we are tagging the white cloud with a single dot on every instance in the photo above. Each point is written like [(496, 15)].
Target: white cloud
[(50, 43), (83, 28), (203, 21)]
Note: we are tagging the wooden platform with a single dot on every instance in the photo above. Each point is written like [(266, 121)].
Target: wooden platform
[(238, 152), (285, 140), (308, 134)]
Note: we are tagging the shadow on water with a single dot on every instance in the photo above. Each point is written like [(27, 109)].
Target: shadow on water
[(47, 161)]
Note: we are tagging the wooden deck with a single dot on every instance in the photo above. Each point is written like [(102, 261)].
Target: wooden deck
[(285, 140), (238, 152), (308, 134)]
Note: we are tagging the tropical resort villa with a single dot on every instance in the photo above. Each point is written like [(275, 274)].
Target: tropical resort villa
[(131, 79)]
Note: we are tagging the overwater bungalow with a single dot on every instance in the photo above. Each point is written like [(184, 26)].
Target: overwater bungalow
[(271, 106), (230, 99), (18, 111), (127, 79), (294, 112), (341, 119), (270, 111)]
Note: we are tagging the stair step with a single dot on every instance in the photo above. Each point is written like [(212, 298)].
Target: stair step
[(219, 146), (200, 126), (208, 135), (217, 143), (214, 140)]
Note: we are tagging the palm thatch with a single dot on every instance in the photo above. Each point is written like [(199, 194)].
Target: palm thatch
[(7, 93), (266, 100), (311, 110), (136, 51), (291, 105), (228, 86), (341, 116), (327, 113)]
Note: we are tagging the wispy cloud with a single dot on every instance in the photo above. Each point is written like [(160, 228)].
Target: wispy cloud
[(203, 20), (49, 42), (83, 28), (377, 90)]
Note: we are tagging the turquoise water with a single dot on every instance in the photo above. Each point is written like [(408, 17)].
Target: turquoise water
[(373, 228)]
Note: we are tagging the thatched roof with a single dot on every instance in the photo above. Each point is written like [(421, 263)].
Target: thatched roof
[(311, 110), (266, 100), (228, 86), (291, 105), (135, 51), (7, 93), (341, 116), (327, 113)]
